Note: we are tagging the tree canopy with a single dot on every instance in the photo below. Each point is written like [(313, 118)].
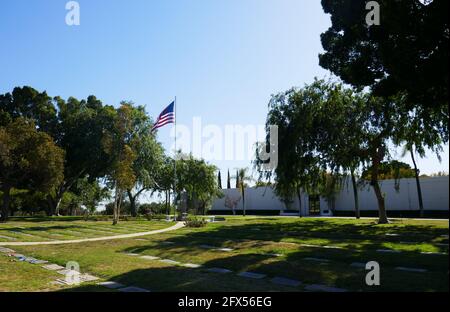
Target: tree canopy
[(408, 51)]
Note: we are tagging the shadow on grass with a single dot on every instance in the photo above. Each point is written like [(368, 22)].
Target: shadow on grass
[(336, 272), (170, 279)]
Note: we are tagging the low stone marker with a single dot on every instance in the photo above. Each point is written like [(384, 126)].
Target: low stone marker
[(219, 270), (434, 253), (167, 243), (225, 249), (150, 258), (316, 259), (207, 247), (358, 265), (285, 281), (252, 275), (191, 265), (65, 271), (332, 247), (6, 250), (316, 287), (273, 255), (8, 237), (88, 277), (168, 261), (411, 270), (37, 261), (53, 267), (131, 254), (111, 285), (133, 289), (388, 251)]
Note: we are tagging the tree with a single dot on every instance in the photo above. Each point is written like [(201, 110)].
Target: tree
[(241, 178), (198, 180), (28, 103), (416, 134), (149, 155), (298, 164), (29, 159), (117, 143), (90, 194), (391, 170), (406, 53), (228, 180), (308, 123), (219, 180), (165, 180), (85, 156)]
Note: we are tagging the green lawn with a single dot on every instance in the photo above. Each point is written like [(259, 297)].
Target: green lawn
[(48, 229), (268, 245)]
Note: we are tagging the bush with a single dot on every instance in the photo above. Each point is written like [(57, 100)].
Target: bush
[(154, 208), (195, 222)]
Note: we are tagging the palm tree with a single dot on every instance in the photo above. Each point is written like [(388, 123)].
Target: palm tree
[(242, 176)]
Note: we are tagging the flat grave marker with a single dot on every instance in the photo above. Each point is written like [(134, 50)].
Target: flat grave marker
[(285, 281), (150, 258), (53, 267), (219, 270), (316, 287), (252, 275), (416, 270), (133, 289), (111, 285)]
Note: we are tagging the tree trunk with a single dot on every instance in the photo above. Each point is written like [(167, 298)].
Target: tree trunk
[(419, 188), (382, 216), (117, 201), (167, 203), (243, 199), (5, 203), (355, 195), (55, 202), (299, 196), (132, 200)]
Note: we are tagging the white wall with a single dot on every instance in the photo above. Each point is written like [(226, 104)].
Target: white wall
[(435, 193), (261, 198)]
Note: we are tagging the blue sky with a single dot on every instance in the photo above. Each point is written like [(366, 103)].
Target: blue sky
[(222, 59)]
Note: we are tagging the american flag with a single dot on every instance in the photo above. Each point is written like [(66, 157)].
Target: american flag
[(166, 117)]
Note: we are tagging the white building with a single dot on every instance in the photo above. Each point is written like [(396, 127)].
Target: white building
[(401, 203)]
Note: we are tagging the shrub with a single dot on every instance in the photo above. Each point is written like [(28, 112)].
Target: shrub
[(195, 222)]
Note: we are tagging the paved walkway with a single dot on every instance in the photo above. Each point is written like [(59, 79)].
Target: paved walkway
[(172, 228)]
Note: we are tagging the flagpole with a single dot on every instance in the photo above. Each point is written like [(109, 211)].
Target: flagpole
[(175, 158)]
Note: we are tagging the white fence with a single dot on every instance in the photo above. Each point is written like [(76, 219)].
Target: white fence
[(435, 193)]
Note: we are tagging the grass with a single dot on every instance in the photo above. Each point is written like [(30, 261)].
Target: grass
[(254, 241), (32, 229)]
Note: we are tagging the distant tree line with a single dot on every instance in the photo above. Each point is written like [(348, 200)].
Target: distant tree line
[(66, 156)]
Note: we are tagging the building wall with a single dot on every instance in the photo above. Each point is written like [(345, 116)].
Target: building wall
[(263, 200)]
